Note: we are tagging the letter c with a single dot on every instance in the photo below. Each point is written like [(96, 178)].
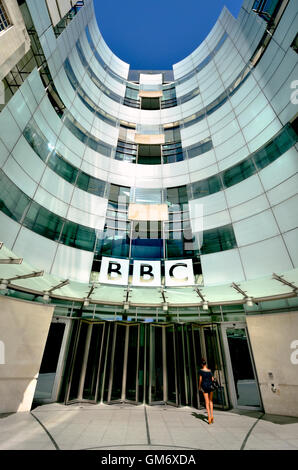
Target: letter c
[(171, 271)]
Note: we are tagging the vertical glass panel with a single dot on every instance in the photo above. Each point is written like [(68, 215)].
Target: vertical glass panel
[(156, 364), (171, 365), (78, 363), (118, 359), (182, 366), (244, 378), (132, 363), (194, 355), (93, 364)]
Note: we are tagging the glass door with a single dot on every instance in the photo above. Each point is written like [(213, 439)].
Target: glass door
[(156, 369), (194, 360), (243, 384), (124, 372), (170, 364), (87, 363), (163, 386), (211, 351)]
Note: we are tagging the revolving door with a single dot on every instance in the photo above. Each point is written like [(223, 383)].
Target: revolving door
[(131, 362)]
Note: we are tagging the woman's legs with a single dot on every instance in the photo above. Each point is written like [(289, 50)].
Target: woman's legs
[(211, 404), (207, 405)]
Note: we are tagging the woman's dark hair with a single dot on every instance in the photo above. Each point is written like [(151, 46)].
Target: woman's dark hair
[(203, 362)]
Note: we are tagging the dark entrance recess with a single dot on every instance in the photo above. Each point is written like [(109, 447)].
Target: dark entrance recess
[(49, 362), (131, 362)]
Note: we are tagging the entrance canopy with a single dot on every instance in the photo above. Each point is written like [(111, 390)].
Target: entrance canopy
[(18, 275)]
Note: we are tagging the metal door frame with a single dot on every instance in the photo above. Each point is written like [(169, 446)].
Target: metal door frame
[(123, 398), (230, 376)]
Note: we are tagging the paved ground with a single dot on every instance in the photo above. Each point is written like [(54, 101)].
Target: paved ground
[(119, 427)]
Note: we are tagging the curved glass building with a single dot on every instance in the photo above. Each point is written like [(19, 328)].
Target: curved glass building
[(149, 218)]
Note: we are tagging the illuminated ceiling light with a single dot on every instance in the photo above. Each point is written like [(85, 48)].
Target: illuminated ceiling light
[(3, 284), (46, 296), (249, 302), (86, 303), (205, 305)]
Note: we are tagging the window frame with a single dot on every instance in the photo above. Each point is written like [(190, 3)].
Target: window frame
[(4, 17)]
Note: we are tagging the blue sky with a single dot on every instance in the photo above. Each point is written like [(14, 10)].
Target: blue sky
[(159, 33)]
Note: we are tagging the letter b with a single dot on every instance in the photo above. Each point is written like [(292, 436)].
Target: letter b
[(112, 269), (145, 271)]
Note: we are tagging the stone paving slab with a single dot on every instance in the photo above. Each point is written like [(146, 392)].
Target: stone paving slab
[(128, 427)]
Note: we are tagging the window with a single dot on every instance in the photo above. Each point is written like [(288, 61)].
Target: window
[(266, 8), (149, 154), (205, 187), (218, 239), (199, 148), (238, 173), (4, 19), (294, 44)]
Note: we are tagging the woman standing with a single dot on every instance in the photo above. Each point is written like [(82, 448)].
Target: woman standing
[(205, 383)]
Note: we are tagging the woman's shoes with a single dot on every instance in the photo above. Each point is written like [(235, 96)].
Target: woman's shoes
[(209, 420), (212, 420)]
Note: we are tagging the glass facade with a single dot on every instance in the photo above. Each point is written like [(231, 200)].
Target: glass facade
[(79, 148)]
